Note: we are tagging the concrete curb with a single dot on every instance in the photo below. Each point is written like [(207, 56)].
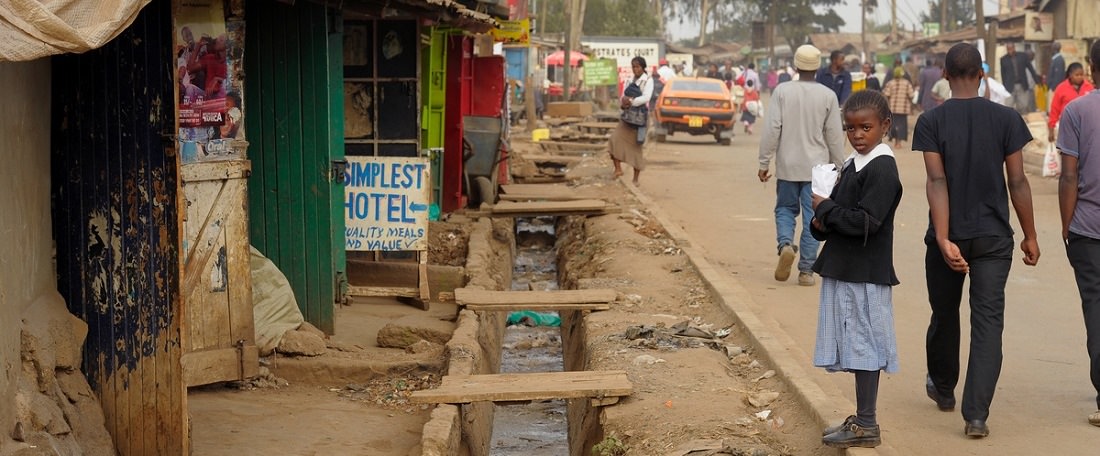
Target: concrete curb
[(825, 404)]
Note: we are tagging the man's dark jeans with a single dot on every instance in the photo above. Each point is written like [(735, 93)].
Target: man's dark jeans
[(1084, 256), (990, 259)]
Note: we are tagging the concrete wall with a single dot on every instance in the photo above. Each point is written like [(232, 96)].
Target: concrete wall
[(26, 240)]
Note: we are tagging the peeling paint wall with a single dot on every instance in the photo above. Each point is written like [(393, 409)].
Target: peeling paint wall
[(26, 265)]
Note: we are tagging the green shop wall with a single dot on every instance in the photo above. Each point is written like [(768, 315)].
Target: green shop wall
[(433, 89)]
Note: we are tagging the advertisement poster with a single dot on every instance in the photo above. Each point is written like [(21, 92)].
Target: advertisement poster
[(513, 32), (1038, 26), (386, 203), (210, 108)]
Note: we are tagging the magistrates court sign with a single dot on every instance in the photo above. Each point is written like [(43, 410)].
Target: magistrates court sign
[(386, 203)]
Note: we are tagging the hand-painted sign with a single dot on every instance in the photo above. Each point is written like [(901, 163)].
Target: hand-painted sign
[(601, 72), (386, 203)]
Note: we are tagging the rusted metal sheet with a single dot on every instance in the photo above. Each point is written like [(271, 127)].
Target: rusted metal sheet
[(114, 189)]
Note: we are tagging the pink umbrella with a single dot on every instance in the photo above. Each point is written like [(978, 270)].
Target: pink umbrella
[(558, 58)]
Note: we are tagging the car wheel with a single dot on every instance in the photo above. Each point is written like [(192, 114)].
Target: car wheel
[(661, 138)]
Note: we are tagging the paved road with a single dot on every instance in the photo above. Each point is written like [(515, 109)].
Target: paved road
[(1044, 394)]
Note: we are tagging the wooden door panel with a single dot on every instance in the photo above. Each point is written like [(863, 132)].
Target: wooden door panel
[(218, 334)]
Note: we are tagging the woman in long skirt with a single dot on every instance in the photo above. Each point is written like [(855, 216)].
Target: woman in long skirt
[(899, 93), (626, 141)]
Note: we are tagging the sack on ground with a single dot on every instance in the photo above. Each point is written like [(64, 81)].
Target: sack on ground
[(1052, 162)]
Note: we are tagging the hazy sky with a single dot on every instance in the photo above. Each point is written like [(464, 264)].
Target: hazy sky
[(909, 12)]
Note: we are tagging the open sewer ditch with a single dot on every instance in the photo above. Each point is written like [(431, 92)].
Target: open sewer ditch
[(532, 343)]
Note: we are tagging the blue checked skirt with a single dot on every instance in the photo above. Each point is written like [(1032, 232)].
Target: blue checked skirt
[(855, 327)]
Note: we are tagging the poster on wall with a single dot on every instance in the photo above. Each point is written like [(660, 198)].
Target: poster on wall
[(1038, 26), (209, 106), (386, 203), (513, 32)]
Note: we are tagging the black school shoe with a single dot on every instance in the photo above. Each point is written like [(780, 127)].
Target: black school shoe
[(945, 403), (853, 435), (831, 429)]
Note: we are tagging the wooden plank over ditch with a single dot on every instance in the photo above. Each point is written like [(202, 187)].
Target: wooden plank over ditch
[(537, 208), (596, 299), (537, 192), (532, 386)]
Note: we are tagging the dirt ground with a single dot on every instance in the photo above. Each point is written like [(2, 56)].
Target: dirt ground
[(690, 392)]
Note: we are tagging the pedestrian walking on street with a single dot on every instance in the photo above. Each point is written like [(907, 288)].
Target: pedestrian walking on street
[(625, 144), (925, 80), (802, 128), (1015, 68), (899, 93), (1057, 71), (750, 107), (1072, 87), (836, 77), (969, 144), (855, 325), (1079, 201)]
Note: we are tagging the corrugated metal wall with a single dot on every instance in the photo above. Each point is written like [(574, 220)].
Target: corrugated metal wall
[(294, 101), (116, 225)]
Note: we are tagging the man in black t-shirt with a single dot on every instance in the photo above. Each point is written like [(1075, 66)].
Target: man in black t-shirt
[(968, 143)]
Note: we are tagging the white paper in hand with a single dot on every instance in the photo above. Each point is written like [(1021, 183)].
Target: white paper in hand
[(824, 178)]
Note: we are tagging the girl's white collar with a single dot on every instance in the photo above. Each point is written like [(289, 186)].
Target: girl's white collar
[(861, 160)]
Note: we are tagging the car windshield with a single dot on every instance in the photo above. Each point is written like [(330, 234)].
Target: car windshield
[(698, 86)]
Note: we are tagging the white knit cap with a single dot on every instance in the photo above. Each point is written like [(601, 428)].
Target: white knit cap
[(807, 58)]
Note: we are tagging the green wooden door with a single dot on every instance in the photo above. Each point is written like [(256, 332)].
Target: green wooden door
[(294, 117), (433, 91)]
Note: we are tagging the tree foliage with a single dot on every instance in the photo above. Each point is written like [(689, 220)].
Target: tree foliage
[(606, 18), (795, 20), (960, 13)]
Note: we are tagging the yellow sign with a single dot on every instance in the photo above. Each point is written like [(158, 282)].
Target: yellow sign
[(513, 32)]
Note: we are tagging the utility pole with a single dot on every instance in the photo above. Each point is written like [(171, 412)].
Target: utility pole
[(863, 31), (979, 25), (894, 21), (705, 4), (943, 16), (659, 9), (567, 84), (769, 31)]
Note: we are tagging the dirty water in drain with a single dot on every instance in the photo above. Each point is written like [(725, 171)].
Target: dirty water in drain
[(532, 343)]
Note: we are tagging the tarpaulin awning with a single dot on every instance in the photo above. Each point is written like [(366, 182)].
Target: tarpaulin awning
[(558, 58), (31, 29)]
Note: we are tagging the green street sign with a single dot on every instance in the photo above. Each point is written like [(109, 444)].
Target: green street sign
[(601, 72)]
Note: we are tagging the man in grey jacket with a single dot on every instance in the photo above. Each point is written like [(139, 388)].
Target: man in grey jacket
[(802, 128)]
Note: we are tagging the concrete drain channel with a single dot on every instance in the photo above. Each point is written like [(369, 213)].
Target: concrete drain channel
[(516, 382), (532, 343)]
